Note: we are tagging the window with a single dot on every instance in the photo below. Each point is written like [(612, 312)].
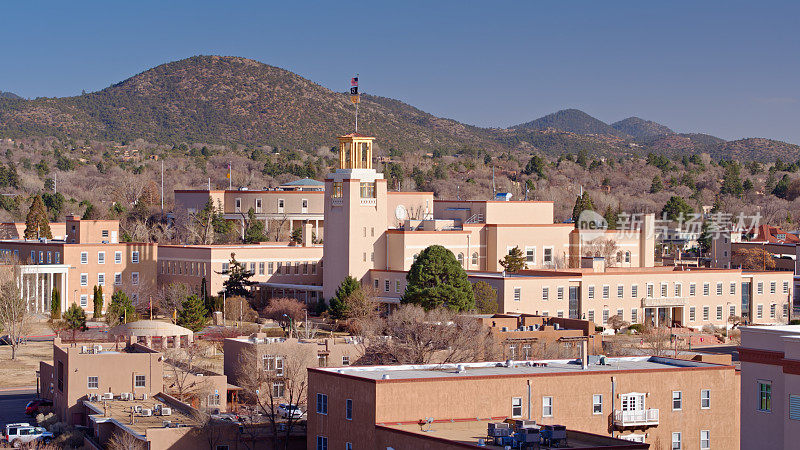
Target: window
[(345, 360), (634, 290), (733, 289), (677, 400), (649, 290), (692, 290), (117, 257), (475, 259), (664, 289), (705, 439), (785, 310), (597, 404), (397, 287), (516, 407), (705, 313), (41, 257), (101, 257), (135, 278), (322, 404), (377, 283), (560, 313), (84, 300), (49, 257), (367, 190), (794, 407), (84, 279), (322, 443), (772, 310), (530, 255), (57, 258), (771, 287), (518, 294), (93, 382), (706, 288), (101, 279), (605, 316), (261, 268), (460, 259), (33, 257), (135, 257), (621, 313), (548, 255), (117, 279), (676, 441), (590, 315), (705, 399), (732, 311), (545, 293), (606, 290), (634, 315), (213, 400), (84, 257), (691, 314), (271, 268), (386, 285), (760, 287), (591, 293), (678, 290), (252, 267), (547, 406), (764, 396), (348, 446), (719, 288), (322, 360), (348, 409), (274, 363), (545, 313), (560, 293), (719, 312), (139, 381), (785, 287), (759, 311)]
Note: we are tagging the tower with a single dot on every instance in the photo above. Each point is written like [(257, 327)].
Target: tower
[(355, 215)]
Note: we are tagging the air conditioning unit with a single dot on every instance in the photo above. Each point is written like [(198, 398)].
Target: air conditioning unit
[(165, 423), (84, 349), (97, 348), (125, 396), (166, 411), (504, 329), (137, 408), (144, 396), (108, 396), (91, 397), (146, 412), (531, 327)]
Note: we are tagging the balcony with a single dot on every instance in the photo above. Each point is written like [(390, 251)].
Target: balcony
[(369, 201), (337, 201), (637, 418)]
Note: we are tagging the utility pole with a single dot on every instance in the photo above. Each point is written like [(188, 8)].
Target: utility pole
[(162, 187)]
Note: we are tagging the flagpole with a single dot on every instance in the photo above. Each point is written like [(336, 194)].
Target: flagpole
[(358, 100), (357, 117)]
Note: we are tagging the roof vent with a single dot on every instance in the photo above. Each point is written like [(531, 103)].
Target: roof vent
[(385, 376), (509, 363), (461, 368)]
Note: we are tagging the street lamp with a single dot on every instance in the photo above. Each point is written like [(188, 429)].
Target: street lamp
[(290, 325), (728, 307)]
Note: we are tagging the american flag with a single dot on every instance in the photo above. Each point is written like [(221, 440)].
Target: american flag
[(354, 81)]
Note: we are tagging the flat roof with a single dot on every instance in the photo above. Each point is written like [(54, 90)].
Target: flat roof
[(468, 432), (119, 412), (517, 368)]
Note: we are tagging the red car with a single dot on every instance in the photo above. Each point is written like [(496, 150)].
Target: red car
[(36, 406)]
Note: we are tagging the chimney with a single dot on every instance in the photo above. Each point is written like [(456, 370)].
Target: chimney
[(308, 235), (584, 354)]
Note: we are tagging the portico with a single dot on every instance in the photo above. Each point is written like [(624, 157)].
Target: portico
[(36, 283)]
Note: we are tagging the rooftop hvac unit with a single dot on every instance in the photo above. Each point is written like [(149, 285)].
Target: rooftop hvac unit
[(108, 396), (461, 368), (84, 349), (166, 411), (499, 429), (147, 412), (97, 348), (504, 329), (137, 408), (125, 396), (165, 423), (556, 326), (91, 397), (144, 396)]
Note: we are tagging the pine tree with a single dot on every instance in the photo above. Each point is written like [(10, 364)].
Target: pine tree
[(37, 223), (75, 319), (436, 279), (514, 261), (238, 280), (98, 301), (582, 203), (120, 310), (193, 314), (656, 186), (55, 305), (338, 308), (255, 232), (611, 218)]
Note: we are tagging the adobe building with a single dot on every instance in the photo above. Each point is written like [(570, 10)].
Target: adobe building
[(770, 407), (528, 336), (88, 255), (664, 402)]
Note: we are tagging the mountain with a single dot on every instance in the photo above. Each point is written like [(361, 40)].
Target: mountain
[(641, 129), (571, 120), (9, 95), (216, 99)]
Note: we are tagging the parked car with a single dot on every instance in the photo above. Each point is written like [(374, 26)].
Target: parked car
[(18, 434), (37, 405), (286, 411)]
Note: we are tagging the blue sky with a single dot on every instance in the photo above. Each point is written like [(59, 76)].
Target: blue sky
[(728, 68)]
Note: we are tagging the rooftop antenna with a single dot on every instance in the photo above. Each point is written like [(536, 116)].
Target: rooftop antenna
[(354, 96), (458, 192), (209, 183)]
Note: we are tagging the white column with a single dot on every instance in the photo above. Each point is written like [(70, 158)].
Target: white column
[(291, 227), (316, 228), (36, 289), (64, 291)]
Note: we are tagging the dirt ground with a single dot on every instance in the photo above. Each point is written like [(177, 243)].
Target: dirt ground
[(22, 371)]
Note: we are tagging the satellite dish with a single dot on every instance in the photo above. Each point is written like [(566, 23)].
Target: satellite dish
[(400, 212)]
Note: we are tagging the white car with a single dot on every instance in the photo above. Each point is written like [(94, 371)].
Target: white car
[(23, 433), (286, 411)]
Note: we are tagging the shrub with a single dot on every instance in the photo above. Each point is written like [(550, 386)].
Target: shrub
[(637, 327)]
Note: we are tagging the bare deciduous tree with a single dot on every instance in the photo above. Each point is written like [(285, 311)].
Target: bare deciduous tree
[(13, 309), (179, 373), (122, 440)]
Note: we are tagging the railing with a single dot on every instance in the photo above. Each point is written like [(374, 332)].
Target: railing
[(636, 418), (475, 218), (369, 201), (337, 201)]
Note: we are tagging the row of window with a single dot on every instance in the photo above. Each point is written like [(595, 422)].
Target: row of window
[(387, 285), (84, 300), (274, 363), (193, 268), (237, 205), (705, 440), (93, 382), (677, 290), (101, 279), (101, 257)]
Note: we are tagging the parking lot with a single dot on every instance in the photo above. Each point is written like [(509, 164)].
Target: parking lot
[(12, 405)]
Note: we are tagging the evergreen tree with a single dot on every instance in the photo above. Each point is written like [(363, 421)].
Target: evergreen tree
[(207, 300), (37, 222), (75, 319), (98, 301), (611, 218), (535, 166), (55, 304), (485, 298), (731, 181), (705, 238), (514, 261), (255, 232), (782, 187), (656, 186), (747, 185), (120, 310), (582, 203), (297, 235), (675, 207), (338, 307), (436, 279), (238, 280), (193, 314)]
